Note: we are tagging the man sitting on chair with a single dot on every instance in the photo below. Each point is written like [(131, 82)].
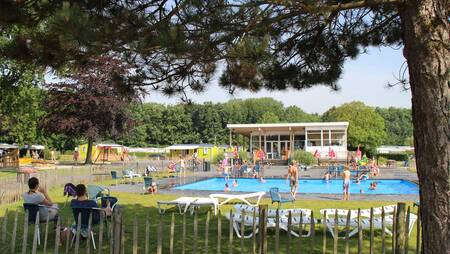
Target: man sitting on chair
[(38, 195)]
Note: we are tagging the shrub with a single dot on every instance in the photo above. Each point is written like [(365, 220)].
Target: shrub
[(382, 161), (219, 156), (243, 155), (303, 157)]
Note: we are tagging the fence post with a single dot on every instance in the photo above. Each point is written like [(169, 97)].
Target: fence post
[(25, 233), (262, 229), (117, 230), (14, 233), (401, 228)]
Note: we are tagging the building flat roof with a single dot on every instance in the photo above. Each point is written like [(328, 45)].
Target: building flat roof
[(247, 128)]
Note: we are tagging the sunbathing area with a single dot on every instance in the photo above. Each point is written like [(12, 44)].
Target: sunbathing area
[(163, 210)]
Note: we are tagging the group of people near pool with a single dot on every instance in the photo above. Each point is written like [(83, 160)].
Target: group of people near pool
[(292, 176), (238, 169)]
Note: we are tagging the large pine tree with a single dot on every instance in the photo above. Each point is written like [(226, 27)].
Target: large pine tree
[(175, 46)]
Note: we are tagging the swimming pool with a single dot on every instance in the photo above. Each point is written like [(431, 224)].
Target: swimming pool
[(391, 187)]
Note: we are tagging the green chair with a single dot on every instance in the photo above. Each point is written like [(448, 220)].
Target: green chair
[(95, 192)]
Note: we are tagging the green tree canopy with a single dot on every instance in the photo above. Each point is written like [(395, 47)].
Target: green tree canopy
[(398, 122), (366, 126)]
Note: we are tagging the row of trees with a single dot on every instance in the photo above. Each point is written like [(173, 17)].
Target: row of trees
[(25, 110)]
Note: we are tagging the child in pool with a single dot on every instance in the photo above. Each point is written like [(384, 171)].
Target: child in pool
[(227, 187), (235, 184)]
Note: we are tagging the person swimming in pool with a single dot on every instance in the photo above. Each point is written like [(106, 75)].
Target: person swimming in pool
[(235, 184), (373, 186), (346, 185), (227, 187), (293, 178), (261, 180)]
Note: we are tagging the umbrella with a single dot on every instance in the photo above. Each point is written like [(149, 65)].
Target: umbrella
[(317, 153), (331, 153)]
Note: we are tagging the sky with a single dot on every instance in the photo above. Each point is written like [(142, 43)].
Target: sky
[(365, 79)]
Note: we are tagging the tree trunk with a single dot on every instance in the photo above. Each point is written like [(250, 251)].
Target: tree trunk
[(89, 152), (427, 49)]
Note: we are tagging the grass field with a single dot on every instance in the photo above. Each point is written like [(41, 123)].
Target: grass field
[(138, 206)]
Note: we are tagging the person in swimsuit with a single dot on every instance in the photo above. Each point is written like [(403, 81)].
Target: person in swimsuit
[(346, 187), (292, 177)]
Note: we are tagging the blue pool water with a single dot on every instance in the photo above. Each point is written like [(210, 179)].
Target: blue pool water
[(305, 186)]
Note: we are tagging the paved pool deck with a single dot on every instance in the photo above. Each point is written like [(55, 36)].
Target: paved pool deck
[(166, 184)]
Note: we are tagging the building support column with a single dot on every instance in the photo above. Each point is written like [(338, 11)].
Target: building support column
[(231, 138)]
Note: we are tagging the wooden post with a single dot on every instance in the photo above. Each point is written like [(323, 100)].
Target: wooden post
[(219, 232), (117, 231), (383, 231), (300, 233), (254, 232), (68, 240), (371, 231), (160, 235), (394, 228), (242, 230), (195, 230), (288, 249), (36, 234), (207, 231), (360, 233), (262, 229), (88, 240), (277, 232), (100, 233), (172, 232), (4, 226), (401, 228), (312, 240), (25, 233), (122, 237), (230, 243), (46, 233), (77, 238), (57, 235), (324, 241), (147, 234), (135, 236), (183, 239), (14, 233), (336, 232), (347, 232), (408, 214), (418, 245)]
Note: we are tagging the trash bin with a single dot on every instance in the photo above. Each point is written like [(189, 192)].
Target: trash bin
[(206, 166)]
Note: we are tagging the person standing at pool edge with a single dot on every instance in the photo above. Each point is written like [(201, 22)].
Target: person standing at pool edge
[(346, 186), (292, 177)]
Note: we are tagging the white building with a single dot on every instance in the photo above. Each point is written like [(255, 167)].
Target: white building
[(279, 139)]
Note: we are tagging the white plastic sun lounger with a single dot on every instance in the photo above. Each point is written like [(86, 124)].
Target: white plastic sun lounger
[(271, 219), (242, 197), (182, 204), (185, 203), (365, 220)]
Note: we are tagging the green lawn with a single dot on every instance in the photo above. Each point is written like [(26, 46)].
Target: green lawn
[(136, 206)]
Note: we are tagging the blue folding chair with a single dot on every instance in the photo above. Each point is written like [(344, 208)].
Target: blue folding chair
[(33, 210), (84, 222), (275, 195), (147, 183), (114, 176)]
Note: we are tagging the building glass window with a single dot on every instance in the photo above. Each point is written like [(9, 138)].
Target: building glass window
[(314, 138), (337, 137), (326, 137), (272, 138)]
